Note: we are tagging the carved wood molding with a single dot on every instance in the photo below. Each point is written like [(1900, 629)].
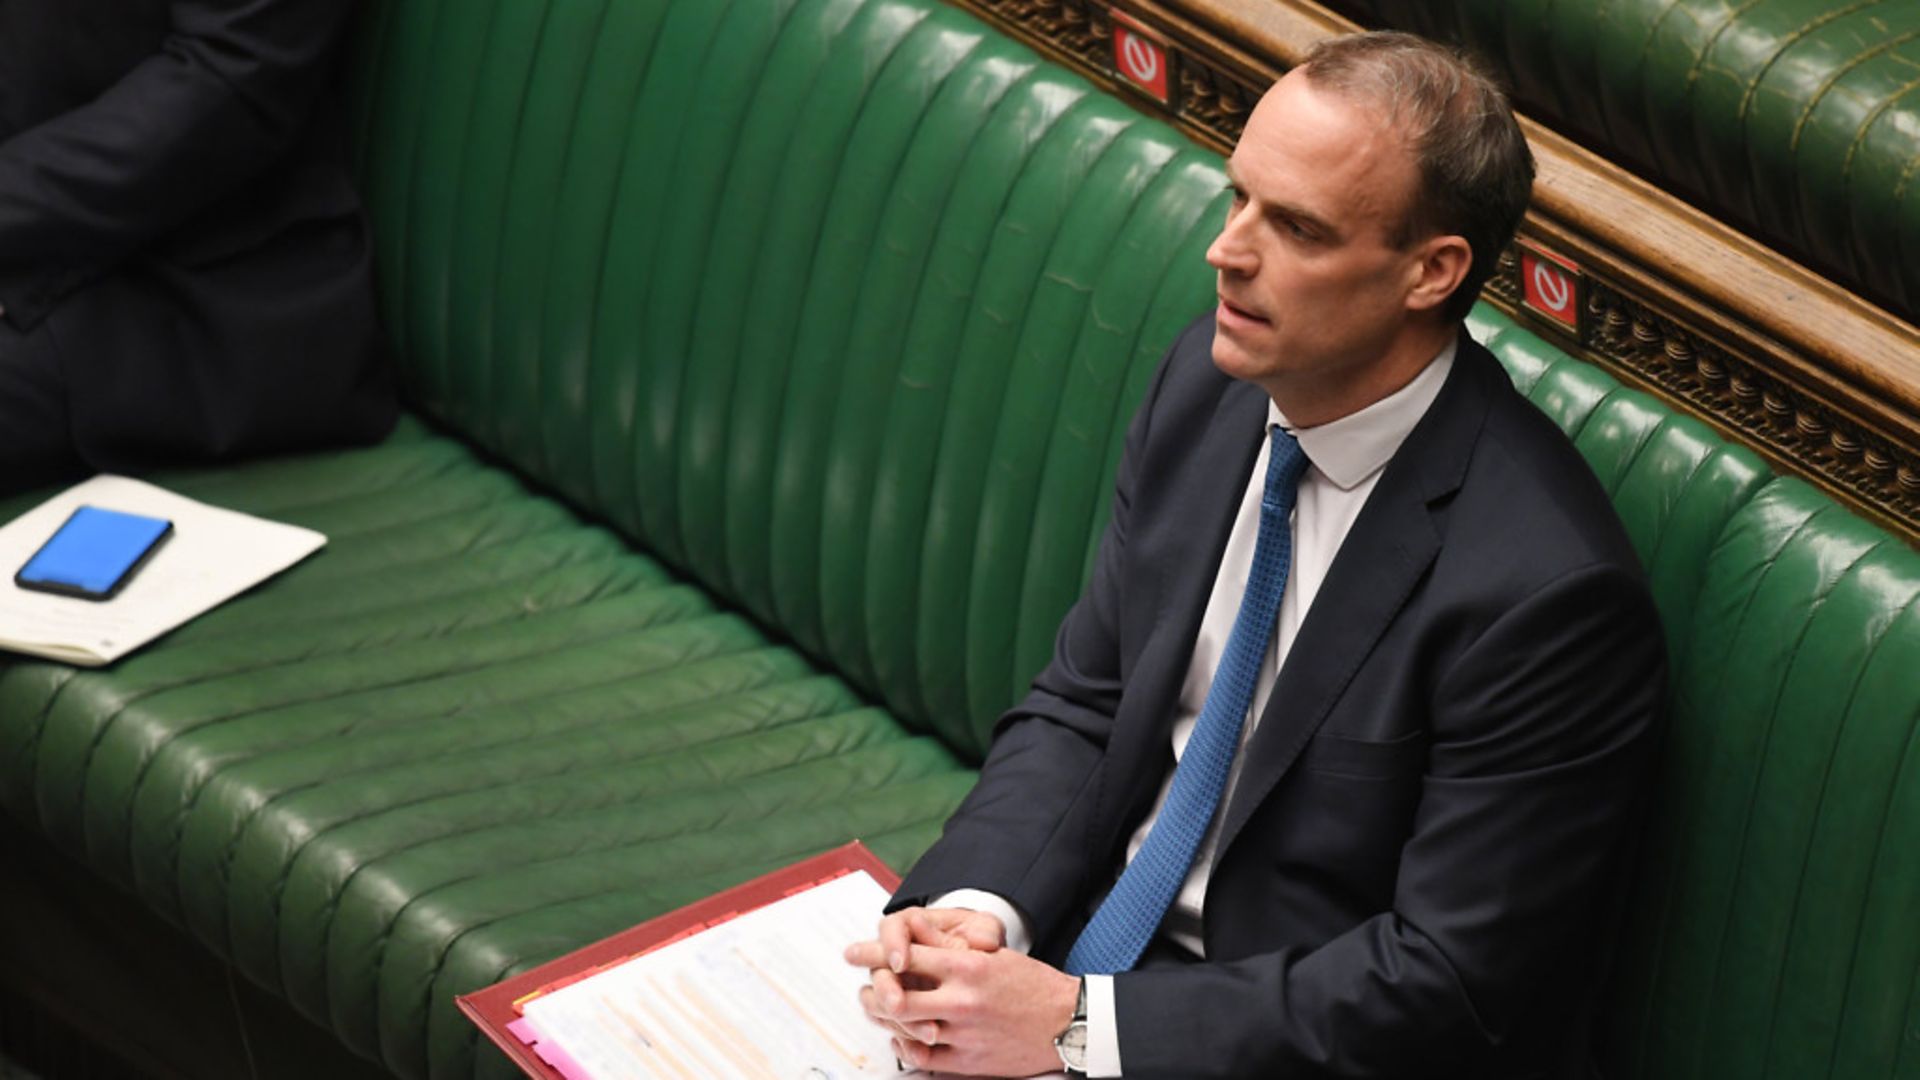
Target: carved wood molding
[(1820, 382), (1788, 424)]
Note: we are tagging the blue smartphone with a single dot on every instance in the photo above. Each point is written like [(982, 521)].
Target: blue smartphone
[(94, 554)]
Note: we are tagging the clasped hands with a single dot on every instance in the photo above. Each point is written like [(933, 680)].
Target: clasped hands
[(956, 1001)]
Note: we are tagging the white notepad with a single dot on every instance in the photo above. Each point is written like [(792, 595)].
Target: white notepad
[(213, 556), (762, 995)]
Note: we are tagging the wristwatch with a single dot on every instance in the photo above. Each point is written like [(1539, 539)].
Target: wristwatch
[(1072, 1042)]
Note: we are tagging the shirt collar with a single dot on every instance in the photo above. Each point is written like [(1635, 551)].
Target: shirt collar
[(1354, 447)]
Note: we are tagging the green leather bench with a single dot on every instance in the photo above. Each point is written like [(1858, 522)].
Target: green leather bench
[(1795, 120), (768, 364)]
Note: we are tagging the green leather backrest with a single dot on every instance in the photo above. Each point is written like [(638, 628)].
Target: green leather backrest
[(841, 306), (1795, 120), (1777, 929), (1774, 928), (838, 305)]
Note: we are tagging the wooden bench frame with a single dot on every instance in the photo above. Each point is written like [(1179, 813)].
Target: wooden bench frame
[(1820, 382)]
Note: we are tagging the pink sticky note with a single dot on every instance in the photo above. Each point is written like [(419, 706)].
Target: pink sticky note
[(553, 1055), (522, 1029)]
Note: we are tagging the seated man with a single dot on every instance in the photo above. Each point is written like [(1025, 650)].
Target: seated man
[(1335, 763), (184, 267)]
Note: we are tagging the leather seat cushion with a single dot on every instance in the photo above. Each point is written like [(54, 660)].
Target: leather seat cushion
[(473, 732)]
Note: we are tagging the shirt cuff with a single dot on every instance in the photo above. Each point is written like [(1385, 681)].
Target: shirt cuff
[(1103, 1034), (1019, 936)]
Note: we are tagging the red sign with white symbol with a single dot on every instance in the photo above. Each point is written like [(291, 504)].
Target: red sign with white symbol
[(1139, 58), (1552, 286)]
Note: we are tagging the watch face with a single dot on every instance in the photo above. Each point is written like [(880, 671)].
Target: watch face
[(1073, 1045)]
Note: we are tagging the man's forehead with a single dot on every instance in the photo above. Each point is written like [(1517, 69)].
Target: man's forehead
[(1324, 147)]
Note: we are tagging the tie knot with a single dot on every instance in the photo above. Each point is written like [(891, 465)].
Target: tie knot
[(1286, 462)]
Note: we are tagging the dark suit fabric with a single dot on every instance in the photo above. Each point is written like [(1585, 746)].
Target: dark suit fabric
[(1412, 870), (184, 264)]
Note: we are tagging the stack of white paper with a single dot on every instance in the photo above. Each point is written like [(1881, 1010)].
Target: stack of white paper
[(765, 996)]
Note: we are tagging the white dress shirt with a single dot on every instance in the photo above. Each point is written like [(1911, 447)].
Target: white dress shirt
[(1346, 458)]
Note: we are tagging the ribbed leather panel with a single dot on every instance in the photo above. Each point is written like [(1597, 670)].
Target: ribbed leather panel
[(1775, 935), (838, 305), (470, 734), (1772, 929), (1796, 120)]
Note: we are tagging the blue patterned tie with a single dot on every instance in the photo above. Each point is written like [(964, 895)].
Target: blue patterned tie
[(1131, 913)]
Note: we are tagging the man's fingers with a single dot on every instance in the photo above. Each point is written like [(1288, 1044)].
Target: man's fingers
[(895, 936), (971, 929), (939, 965), (921, 1007), (888, 994), (952, 928), (915, 1014), (917, 1055), (923, 930), (979, 937), (866, 954), (924, 1031), (940, 928), (940, 1058), (955, 998)]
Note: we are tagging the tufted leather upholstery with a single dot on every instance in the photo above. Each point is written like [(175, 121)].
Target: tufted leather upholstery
[(771, 359), (1795, 120)]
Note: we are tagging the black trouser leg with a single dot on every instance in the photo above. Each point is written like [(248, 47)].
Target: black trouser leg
[(36, 444)]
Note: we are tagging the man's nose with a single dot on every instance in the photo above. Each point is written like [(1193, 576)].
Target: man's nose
[(1230, 253)]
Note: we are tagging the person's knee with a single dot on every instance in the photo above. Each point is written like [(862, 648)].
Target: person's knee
[(36, 440)]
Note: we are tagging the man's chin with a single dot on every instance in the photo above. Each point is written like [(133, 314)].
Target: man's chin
[(1232, 356)]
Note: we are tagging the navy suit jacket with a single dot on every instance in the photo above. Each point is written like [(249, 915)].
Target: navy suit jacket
[(1413, 873), (178, 224)]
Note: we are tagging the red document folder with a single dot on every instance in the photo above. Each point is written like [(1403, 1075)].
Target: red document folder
[(496, 1009)]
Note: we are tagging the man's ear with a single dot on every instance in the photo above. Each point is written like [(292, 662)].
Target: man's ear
[(1443, 262)]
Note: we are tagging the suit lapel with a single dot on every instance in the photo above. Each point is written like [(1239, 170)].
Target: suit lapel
[(1211, 481), (1383, 558)]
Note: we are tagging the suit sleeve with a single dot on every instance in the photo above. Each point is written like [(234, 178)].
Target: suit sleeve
[(229, 91), (1543, 729), (1019, 833)]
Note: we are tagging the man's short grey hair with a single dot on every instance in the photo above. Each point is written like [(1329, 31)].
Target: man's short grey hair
[(1476, 172)]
